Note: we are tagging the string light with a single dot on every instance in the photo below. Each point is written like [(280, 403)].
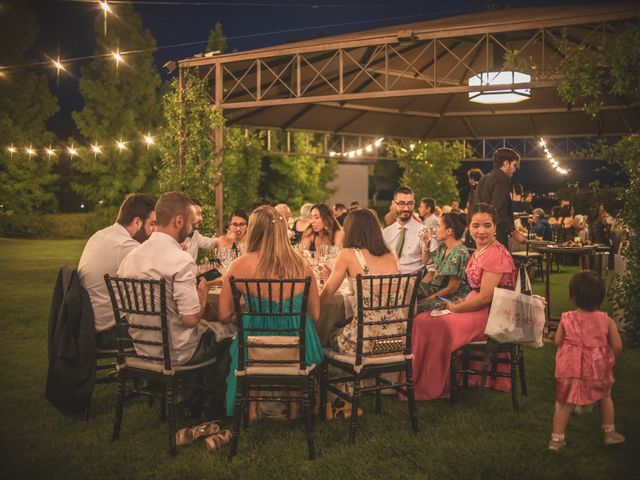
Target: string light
[(120, 145), (148, 139), (359, 151), (72, 151), (58, 66), (96, 149), (105, 7), (30, 151), (117, 56), (12, 150), (554, 163), (50, 152), (2, 74)]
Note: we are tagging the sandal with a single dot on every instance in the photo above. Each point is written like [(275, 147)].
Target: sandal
[(186, 436), (215, 442), (557, 442), (613, 438)]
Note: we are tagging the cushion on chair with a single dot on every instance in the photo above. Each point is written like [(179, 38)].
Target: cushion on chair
[(523, 253), (366, 360)]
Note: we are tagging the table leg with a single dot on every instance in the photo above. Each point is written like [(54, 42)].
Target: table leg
[(547, 289)]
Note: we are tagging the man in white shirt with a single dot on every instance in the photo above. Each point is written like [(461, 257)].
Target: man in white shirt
[(194, 241), (103, 254), (427, 210), (162, 257), (403, 236)]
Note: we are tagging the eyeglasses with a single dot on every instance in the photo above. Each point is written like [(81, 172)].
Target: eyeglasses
[(238, 225), (406, 204)]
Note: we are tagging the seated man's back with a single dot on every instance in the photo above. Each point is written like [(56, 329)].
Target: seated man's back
[(161, 257), (103, 254)]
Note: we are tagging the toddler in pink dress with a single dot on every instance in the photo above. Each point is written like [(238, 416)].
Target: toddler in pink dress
[(588, 342)]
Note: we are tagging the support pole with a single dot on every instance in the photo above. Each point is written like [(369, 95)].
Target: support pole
[(218, 138), (218, 135), (182, 126)]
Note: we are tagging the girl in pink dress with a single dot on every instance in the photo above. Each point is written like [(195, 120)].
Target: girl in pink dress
[(588, 342), (435, 338)]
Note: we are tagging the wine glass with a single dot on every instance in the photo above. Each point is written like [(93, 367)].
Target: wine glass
[(225, 257)]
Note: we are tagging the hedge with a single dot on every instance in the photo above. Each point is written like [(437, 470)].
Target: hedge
[(54, 226)]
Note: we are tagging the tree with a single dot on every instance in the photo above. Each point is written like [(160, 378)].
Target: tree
[(188, 126), (588, 76), (26, 183), (216, 41), (429, 168), (121, 101), (241, 170), (189, 120), (296, 179)]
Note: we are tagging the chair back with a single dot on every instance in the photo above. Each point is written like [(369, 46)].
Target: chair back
[(145, 299), (271, 319), (385, 309)]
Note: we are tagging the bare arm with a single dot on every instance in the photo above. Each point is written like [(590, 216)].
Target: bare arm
[(559, 337), (226, 310), (489, 281), (313, 304), (336, 277), (614, 338)]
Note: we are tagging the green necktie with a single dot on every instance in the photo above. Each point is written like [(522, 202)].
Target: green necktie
[(400, 242)]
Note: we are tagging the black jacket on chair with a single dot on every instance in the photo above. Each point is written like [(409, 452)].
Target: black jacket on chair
[(71, 374)]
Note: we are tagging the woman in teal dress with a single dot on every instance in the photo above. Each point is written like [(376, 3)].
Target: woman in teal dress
[(269, 254), (446, 276)]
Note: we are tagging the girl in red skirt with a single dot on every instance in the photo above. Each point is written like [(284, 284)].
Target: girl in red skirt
[(588, 342)]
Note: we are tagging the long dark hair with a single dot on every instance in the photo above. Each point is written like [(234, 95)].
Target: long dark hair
[(328, 219), (362, 230)]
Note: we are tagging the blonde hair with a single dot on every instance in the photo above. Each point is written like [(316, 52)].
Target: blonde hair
[(268, 236), (305, 211)]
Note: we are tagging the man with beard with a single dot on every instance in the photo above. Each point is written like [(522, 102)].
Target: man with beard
[(162, 257), (403, 237), (104, 253), (195, 241)]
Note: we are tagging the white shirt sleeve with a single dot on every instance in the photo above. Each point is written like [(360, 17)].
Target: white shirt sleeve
[(125, 248), (185, 292), (208, 243)]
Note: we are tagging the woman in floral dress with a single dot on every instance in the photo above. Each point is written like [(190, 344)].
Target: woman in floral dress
[(447, 277)]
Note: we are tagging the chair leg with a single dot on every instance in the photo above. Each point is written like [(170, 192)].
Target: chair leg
[(119, 408), (235, 429), (523, 380), (514, 385), (312, 399), (453, 377), (353, 427), (171, 407), (465, 367), (378, 397), (411, 397), (323, 391), (163, 408), (308, 422), (245, 407)]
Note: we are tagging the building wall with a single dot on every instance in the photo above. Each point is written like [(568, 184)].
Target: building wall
[(352, 184)]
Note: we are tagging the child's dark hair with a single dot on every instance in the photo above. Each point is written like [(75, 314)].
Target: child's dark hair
[(586, 290)]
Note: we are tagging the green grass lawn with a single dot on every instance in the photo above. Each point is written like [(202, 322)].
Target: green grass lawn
[(481, 437)]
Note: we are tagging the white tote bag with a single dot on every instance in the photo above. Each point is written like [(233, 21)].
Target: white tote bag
[(516, 317)]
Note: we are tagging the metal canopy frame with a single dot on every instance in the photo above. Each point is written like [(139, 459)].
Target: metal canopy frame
[(411, 81)]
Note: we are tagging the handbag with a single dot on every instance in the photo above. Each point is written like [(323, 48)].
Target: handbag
[(517, 317)]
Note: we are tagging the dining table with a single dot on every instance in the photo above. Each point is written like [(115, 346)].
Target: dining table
[(548, 249)]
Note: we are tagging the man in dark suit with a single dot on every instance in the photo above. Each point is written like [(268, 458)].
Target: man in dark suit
[(495, 188)]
